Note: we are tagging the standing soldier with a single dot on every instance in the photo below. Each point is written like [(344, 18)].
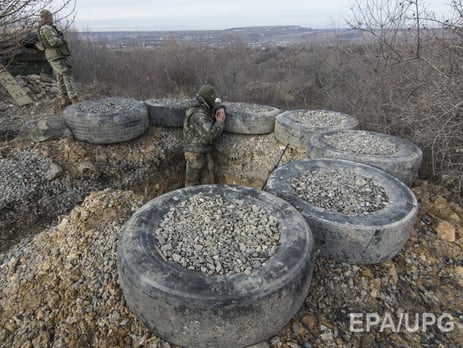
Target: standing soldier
[(57, 54), (203, 124)]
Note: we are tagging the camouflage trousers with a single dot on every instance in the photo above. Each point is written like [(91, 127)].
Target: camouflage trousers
[(198, 168), (64, 81)]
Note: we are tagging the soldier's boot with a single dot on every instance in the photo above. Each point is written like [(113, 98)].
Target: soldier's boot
[(65, 101), (74, 100), (61, 103)]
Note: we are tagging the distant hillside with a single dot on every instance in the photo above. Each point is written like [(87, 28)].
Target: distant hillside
[(254, 36)]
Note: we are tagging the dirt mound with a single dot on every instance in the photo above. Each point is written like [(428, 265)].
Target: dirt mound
[(61, 288)]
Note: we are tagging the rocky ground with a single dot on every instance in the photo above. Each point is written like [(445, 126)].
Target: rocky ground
[(58, 275)]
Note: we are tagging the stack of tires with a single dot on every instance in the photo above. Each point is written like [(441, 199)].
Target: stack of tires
[(389, 162)]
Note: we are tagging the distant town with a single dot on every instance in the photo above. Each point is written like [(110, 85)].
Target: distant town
[(252, 36)]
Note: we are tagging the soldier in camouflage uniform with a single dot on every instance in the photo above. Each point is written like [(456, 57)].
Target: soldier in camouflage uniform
[(204, 122), (57, 54)]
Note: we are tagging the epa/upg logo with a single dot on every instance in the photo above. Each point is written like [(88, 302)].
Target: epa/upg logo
[(365, 322)]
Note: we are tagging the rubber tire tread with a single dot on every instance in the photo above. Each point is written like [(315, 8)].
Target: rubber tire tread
[(252, 123), (162, 114), (362, 239), (193, 309), (288, 131), (404, 164), (107, 127)]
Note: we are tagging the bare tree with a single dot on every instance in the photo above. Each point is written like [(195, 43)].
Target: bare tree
[(392, 23), (18, 19), (416, 63)]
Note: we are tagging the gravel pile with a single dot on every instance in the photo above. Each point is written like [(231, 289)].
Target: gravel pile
[(31, 187), (171, 101), (319, 118), (60, 288), (106, 105), (360, 142), (231, 106), (248, 108), (340, 190), (40, 181), (216, 236), (55, 286), (15, 180)]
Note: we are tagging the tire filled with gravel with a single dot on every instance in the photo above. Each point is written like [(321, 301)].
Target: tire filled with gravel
[(295, 127), (107, 121), (215, 265), (358, 214), (167, 112), (249, 118), (397, 156), (241, 118)]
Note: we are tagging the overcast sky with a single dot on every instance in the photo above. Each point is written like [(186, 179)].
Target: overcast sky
[(142, 15)]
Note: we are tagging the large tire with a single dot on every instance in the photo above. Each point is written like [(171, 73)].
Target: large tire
[(167, 112), (359, 239), (107, 121), (404, 163), (244, 118), (194, 309), (294, 127)]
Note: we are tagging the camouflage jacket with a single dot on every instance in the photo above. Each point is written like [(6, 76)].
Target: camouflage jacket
[(53, 42), (200, 128)]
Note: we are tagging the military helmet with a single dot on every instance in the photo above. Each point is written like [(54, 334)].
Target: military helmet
[(208, 93), (45, 14)]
